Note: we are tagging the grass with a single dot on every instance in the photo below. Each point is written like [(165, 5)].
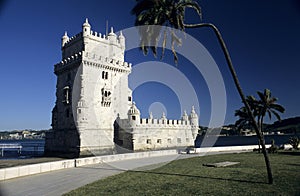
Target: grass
[(190, 177), (19, 162)]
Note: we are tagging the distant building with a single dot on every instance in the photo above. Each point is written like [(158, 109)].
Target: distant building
[(94, 111), (15, 136)]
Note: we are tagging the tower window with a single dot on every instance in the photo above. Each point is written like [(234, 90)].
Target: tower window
[(133, 117), (104, 75), (148, 141), (66, 94), (129, 98), (159, 141), (178, 140), (106, 98)]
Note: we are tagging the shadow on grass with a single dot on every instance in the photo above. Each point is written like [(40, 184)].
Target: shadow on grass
[(295, 153), (194, 176), (293, 164), (176, 174)]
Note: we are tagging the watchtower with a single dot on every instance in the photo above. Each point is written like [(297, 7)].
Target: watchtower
[(91, 91)]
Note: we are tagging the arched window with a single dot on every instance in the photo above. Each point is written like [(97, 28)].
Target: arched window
[(106, 98)]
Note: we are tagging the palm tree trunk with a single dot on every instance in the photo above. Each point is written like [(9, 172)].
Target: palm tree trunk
[(239, 88), (259, 125)]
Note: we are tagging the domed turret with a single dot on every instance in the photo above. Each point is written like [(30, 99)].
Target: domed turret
[(64, 39), (150, 115), (193, 113), (112, 37), (86, 28), (122, 40), (163, 116), (185, 116), (133, 110), (133, 115)]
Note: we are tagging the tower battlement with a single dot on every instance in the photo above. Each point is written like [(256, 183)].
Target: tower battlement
[(111, 45), (93, 35)]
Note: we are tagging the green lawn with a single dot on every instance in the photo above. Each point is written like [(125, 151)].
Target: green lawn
[(190, 177)]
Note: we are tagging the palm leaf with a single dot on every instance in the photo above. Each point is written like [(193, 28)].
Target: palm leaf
[(163, 13), (276, 114), (278, 107)]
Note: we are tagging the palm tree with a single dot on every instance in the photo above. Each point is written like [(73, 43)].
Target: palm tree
[(267, 105), (172, 13)]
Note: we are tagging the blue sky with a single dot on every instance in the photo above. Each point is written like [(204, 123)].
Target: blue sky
[(262, 37)]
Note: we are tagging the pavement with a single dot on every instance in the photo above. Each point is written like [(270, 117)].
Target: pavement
[(63, 181)]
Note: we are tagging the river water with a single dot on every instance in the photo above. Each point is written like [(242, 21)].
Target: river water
[(30, 148), (35, 148)]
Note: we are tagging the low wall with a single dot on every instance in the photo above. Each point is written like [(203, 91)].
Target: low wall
[(226, 148), (14, 172)]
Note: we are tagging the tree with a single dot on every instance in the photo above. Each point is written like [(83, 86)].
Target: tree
[(266, 104), (172, 13)]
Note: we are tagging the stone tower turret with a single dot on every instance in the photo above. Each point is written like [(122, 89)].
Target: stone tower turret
[(194, 122), (86, 28), (122, 40), (185, 116), (133, 115), (64, 39), (112, 37)]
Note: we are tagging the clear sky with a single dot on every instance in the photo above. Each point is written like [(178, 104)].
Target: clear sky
[(262, 37)]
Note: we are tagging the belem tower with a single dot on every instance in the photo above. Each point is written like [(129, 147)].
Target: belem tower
[(94, 112)]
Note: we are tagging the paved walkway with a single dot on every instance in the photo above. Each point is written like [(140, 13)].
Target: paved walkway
[(62, 181)]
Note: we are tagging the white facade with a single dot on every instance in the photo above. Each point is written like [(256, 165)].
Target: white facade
[(92, 95), (148, 134)]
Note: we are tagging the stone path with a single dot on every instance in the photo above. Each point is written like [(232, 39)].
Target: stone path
[(221, 164), (62, 181)]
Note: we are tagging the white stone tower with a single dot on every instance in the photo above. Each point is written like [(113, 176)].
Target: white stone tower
[(91, 91)]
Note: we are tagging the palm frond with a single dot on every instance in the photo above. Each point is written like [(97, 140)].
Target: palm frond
[(276, 115), (278, 108), (162, 13)]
